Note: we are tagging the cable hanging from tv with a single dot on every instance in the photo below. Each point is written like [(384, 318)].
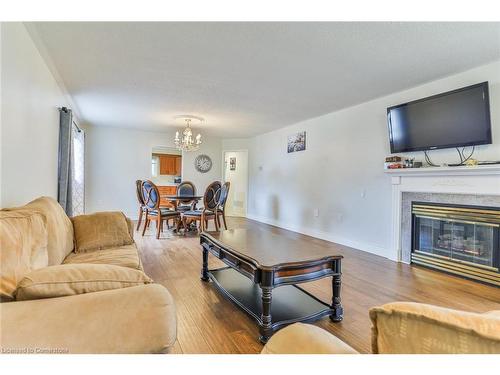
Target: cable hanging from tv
[(429, 161), (463, 158), (461, 154)]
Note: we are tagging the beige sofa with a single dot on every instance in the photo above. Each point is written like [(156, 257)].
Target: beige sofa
[(401, 328), (65, 289)]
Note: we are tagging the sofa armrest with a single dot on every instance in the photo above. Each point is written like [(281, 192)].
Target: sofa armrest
[(130, 226), (302, 338), (139, 319), (414, 328)]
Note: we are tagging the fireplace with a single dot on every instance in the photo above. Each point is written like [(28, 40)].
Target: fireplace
[(458, 239)]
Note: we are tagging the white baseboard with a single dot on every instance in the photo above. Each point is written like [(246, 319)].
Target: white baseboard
[(363, 246)]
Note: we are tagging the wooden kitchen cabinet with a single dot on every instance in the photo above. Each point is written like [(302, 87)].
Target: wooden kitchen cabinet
[(178, 165), (170, 165)]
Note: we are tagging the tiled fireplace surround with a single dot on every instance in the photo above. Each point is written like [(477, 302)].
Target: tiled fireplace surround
[(477, 186)]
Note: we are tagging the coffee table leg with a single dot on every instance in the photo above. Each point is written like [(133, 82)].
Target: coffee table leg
[(204, 269), (265, 329), (338, 311)]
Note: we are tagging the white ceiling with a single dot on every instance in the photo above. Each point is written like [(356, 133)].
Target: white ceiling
[(249, 78)]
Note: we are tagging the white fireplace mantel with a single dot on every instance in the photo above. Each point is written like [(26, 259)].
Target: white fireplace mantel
[(448, 171), (476, 180)]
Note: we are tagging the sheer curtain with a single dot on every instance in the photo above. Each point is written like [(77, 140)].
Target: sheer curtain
[(78, 171), (71, 174)]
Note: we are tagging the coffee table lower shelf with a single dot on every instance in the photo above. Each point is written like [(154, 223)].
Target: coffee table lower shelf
[(290, 303)]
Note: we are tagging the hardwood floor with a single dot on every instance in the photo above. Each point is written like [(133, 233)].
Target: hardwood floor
[(208, 323)]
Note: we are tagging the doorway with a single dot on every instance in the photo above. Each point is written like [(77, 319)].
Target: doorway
[(236, 172)]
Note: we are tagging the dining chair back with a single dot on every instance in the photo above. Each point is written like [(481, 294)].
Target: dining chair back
[(186, 188), (142, 208), (211, 196), (150, 195), (208, 212), (224, 193), (221, 205), (138, 191), (151, 198)]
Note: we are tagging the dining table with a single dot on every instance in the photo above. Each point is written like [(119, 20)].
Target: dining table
[(176, 199), (182, 198)]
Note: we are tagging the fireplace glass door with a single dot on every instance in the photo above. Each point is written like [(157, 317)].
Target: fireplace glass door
[(456, 240)]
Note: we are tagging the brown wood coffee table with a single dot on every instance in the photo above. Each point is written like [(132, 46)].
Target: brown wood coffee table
[(260, 261)]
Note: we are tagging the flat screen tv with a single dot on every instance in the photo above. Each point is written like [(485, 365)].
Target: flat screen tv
[(457, 118)]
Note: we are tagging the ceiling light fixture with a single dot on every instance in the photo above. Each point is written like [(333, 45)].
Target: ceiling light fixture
[(185, 141)]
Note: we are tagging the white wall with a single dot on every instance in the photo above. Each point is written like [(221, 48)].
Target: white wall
[(30, 120), (212, 148), (341, 170), (116, 158), (236, 144), (1, 50)]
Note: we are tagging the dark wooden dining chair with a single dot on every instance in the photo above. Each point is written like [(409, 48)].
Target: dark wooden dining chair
[(151, 198), (186, 188), (210, 201), (221, 206), (142, 207)]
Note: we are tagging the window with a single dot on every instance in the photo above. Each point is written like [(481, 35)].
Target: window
[(78, 170), (71, 163), (155, 162)]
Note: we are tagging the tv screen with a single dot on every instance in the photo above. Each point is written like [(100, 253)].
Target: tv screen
[(456, 118)]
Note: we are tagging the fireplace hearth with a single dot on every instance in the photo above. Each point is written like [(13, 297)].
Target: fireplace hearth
[(457, 239)]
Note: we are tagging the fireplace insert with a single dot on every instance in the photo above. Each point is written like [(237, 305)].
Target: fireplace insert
[(458, 239)]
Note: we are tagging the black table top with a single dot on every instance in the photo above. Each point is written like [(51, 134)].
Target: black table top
[(182, 197), (268, 249)]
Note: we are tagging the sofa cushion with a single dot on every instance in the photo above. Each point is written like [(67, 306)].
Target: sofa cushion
[(493, 314), (59, 228), (125, 256), (71, 279), (101, 230), (300, 338), (164, 212), (23, 247), (416, 328), (139, 319)]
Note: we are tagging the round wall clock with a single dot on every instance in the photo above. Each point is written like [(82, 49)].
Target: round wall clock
[(203, 163)]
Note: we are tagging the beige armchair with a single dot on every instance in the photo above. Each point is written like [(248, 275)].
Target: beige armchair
[(401, 328)]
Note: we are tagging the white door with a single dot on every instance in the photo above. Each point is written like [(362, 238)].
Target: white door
[(236, 172)]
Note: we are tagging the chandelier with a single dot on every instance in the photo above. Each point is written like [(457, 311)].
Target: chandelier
[(185, 141)]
